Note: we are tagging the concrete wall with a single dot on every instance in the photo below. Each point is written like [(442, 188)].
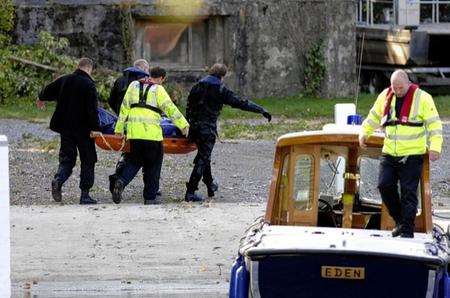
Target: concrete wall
[(263, 41)]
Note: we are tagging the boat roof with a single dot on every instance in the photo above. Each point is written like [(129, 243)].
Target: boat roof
[(282, 240), (330, 134)]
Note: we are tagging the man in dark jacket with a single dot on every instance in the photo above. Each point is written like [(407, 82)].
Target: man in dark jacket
[(75, 117), (205, 102), (139, 71)]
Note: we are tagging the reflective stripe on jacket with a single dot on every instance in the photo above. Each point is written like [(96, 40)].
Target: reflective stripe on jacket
[(141, 123), (401, 140)]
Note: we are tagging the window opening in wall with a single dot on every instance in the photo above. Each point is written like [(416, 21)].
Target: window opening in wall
[(434, 11), (180, 43)]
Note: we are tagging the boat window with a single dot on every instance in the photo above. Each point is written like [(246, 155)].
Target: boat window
[(303, 180), (368, 170), (368, 191), (283, 190), (332, 168)]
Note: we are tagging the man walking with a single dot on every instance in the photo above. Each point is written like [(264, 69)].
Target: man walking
[(140, 112), (410, 119), (75, 117), (140, 70), (205, 102)]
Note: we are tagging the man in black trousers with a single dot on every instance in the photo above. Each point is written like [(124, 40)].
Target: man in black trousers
[(205, 102), (75, 117)]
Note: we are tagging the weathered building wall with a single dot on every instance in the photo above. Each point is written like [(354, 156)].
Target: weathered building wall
[(264, 42)]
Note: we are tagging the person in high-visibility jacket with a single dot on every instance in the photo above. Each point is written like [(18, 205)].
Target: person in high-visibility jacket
[(139, 118), (410, 120)]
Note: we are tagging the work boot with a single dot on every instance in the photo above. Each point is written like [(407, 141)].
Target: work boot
[(193, 197), (112, 181), (56, 190), (212, 188), (117, 191), (397, 230), (407, 235), (85, 198)]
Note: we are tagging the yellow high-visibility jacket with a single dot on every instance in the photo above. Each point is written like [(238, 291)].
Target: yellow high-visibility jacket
[(141, 123), (402, 140)]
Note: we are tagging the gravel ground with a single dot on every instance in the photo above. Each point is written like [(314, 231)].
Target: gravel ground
[(242, 168)]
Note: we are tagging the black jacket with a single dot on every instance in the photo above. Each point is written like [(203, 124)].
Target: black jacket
[(121, 84), (76, 103), (206, 100)]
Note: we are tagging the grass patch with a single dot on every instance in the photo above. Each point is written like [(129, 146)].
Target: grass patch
[(269, 131), (301, 107), (27, 111)]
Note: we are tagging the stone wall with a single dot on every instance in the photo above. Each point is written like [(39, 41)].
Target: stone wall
[(264, 42)]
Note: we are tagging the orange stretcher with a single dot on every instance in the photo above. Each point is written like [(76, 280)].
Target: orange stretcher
[(118, 143)]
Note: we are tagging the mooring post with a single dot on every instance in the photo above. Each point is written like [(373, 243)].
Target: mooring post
[(5, 248)]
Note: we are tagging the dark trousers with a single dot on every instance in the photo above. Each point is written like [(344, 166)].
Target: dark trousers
[(406, 170), (148, 155), (70, 143), (120, 165), (202, 163)]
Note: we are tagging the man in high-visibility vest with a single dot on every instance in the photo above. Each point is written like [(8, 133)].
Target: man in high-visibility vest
[(410, 120), (140, 116)]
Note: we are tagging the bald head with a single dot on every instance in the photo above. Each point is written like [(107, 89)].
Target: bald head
[(400, 82)]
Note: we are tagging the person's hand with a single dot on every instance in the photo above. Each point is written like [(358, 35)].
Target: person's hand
[(185, 131), (40, 104), (267, 116), (362, 141), (434, 155), (95, 133)]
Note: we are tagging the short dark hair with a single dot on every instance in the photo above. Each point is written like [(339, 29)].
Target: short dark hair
[(218, 69), (157, 72), (85, 62)]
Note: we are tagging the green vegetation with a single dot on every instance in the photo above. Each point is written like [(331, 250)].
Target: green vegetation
[(294, 113), (297, 113), (315, 69), (25, 69), (301, 107), (26, 111)]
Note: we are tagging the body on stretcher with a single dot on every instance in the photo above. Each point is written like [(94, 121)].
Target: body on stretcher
[(174, 142)]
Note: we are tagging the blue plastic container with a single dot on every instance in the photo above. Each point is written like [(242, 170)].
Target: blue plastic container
[(240, 279), (354, 119)]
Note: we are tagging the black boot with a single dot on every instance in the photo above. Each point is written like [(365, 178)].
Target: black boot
[(85, 198), (212, 188), (407, 235), (117, 191), (397, 230), (112, 181), (56, 190), (191, 196)]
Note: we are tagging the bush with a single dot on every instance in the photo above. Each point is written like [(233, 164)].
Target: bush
[(23, 81)]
